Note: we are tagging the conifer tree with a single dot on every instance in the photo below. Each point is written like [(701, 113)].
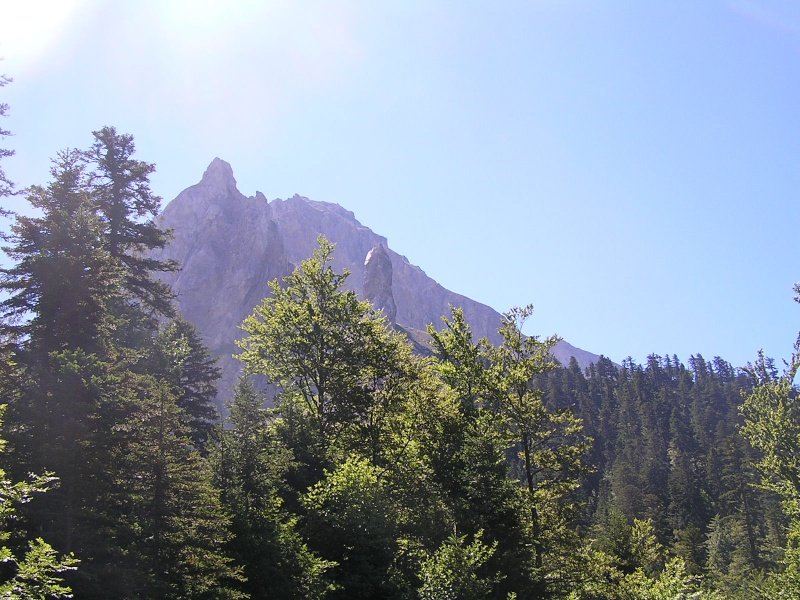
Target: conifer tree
[(177, 524), (250, 464), (55, 317), (63, 276), (121, 192), (6, 186), (179, 357), (115, 411)]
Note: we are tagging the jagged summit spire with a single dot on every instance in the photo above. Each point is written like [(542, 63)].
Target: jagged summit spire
[(378, 282), (219, 174)]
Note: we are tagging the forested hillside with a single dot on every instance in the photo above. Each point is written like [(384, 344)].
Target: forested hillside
[(480, 471)]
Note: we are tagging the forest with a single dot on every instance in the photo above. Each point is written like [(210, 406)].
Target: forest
[(476, 471)]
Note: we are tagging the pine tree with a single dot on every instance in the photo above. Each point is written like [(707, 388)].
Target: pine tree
[(36, 570), (63, 276), (56, 320), (102, 402)]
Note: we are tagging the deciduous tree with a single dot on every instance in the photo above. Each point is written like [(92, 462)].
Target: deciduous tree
[(34, 571), (331, 355)]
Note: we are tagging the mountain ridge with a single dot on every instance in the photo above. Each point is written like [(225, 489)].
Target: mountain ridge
[(230, 245)]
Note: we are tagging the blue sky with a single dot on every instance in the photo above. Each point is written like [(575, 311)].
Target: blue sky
[(630, 168)]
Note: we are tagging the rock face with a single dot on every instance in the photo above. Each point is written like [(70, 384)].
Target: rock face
[(230, 245), (378, 282)]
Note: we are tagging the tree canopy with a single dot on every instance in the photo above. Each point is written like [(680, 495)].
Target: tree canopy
[(362, 470)]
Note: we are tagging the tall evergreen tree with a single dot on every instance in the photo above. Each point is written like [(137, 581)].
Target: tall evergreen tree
[(63, 275), (114, 411), (179, 527), (250, 464), (127, 206), (6, 186), (55, 314), (179, 357), (34, 571)]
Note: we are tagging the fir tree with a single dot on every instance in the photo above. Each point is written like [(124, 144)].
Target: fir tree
[(121, 192), (6, 186), (250, 465)]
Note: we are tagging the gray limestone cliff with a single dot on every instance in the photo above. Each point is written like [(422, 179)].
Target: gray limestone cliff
[(230, 245), (378, 282)]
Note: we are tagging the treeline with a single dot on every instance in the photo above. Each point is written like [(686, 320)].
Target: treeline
[(478, 472), (668, 450)]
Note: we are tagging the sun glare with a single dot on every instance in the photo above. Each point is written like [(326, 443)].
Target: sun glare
[(29, 28)]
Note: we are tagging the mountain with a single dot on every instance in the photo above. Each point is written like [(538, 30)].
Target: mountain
[(230, 245)]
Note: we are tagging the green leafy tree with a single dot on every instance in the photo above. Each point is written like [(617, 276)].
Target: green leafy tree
[(771, 414), (332, 357), (34, 572), (467, 449), (502, 403), (352, 515), (772, 425), (349, 400), (635, 567), (452, 572), (551, 445)]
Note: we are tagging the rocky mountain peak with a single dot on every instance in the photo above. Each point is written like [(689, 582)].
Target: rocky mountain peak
[(219, 175), (230, 245)]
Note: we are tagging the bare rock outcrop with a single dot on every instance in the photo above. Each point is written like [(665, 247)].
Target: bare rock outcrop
[(378, 282), (230, 245)]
